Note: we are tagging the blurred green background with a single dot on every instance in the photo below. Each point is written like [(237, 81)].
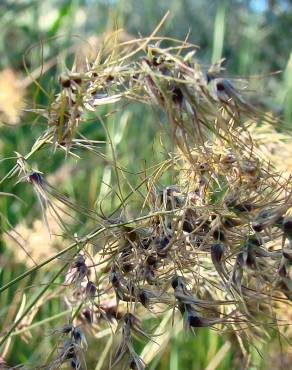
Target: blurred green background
[(255, 38)]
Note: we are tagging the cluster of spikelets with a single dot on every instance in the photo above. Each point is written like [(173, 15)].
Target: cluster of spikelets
[(215, 248)]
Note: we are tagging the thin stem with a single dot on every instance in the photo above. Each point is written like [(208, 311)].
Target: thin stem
[(32, 304), (81, 241), (35, 148), (39, 323)]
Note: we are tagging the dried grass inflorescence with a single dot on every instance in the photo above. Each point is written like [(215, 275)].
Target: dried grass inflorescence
[(215, 247)]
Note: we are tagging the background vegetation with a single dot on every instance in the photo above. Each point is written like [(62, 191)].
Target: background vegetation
[(254, 36)]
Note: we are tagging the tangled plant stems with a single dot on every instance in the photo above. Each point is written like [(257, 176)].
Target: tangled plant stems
[(215, 248)]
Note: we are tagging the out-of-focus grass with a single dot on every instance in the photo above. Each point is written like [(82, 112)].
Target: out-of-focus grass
[(222, 29), (219, 30), (287, 92)]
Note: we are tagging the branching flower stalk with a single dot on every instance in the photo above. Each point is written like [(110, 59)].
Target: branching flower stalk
[(215, 247)]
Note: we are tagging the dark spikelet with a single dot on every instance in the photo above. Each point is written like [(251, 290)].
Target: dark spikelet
[(217, 252), (287, 227)]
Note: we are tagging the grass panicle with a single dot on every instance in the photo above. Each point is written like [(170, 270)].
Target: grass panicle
[(213, 247)]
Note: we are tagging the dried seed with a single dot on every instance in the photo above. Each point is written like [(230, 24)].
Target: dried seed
[(177, 282), (219, 235), (287, 227), (90, 290)]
